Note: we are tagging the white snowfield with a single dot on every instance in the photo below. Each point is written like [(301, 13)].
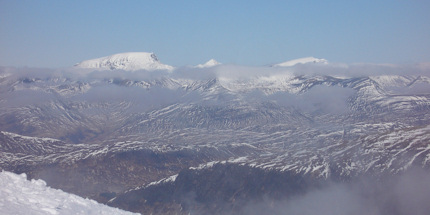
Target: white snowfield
[(304, 60), (130, 61), (133, 61), (209, 63), (20, 196)]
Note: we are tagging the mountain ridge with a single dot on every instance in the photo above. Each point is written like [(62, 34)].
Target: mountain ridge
[(130, 61)]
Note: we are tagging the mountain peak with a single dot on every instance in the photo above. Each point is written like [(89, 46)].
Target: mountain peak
[(209, 63), (304, 60), (130, 61)]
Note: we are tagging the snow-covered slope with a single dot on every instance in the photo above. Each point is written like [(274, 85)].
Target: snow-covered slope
[(130, 61), (209, 63), (19, 196), (302, 61)]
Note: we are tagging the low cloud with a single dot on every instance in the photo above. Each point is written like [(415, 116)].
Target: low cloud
[(319, 98), (416, 89), (141, 99), (228, 71), (23, 98), (408, 193)]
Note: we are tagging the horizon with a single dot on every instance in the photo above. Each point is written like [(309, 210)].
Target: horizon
[(49, 34)]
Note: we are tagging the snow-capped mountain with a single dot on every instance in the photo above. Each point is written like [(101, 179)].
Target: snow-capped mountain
[(20, 196), (130, 61), (304, 60), (209, 63)]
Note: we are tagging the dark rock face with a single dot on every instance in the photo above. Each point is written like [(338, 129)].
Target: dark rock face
[(100, 177), (236, 189), (219, 189)]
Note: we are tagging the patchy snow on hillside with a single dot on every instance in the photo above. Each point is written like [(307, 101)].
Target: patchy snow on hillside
[(20, 196)]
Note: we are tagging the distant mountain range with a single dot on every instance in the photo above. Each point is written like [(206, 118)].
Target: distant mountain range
[(204, 140), (130, 61)]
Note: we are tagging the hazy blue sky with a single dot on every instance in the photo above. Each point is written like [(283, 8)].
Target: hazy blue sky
[(62, 33)]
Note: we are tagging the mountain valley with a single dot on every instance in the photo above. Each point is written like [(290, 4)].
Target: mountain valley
[(215, 138)]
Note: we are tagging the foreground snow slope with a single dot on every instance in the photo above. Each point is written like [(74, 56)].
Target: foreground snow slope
[(19, 196)]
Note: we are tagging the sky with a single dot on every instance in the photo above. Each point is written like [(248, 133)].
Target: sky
[(58, 34)]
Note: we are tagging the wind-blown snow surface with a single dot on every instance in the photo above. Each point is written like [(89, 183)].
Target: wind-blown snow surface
[(130, 61), (20, 196)]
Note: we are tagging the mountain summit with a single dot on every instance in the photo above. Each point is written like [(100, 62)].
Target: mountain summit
[(130, 61), (304, 60), (209, 63)]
